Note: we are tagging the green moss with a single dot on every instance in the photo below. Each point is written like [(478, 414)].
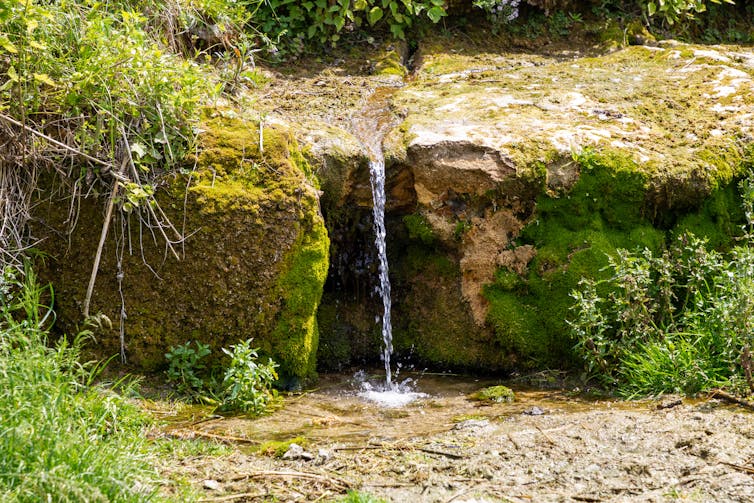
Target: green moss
[(719, 219), (419, 229), (252, 265), (574, 234), (432, 322), (391, 63), (277, 448), (611, 190), (302, 278), (494, 394)]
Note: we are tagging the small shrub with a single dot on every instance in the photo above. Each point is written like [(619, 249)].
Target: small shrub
[(186, 368), (288, 24), (247, 384), (672, 11)]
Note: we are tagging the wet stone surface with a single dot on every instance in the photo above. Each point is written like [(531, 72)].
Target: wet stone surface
[(547, 445)]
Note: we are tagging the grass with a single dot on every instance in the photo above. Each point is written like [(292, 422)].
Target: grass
[(61, 437)]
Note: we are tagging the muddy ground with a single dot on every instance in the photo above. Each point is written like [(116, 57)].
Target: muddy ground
[(547, 445)]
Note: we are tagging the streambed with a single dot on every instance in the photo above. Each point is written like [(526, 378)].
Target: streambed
[(547, 445)]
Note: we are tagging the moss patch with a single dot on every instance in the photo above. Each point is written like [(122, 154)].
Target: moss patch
[(611, 206), (299, 285), (494, 394)]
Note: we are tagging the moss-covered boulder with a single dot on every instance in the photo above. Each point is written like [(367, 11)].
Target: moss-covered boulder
[(252, 263)]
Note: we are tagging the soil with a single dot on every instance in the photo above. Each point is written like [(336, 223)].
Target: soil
[(547, 445)]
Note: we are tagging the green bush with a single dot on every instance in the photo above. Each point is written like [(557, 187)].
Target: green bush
[(680, 321), (289, 23), (185, 367), (673, 11), (247, 384), (61, 439)]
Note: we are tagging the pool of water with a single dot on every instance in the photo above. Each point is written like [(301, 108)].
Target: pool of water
[(343, 409)]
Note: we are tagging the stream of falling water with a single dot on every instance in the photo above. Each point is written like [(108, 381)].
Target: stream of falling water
[(377, 179), (370, 126)]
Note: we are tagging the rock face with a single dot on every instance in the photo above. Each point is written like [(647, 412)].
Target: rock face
[(531, 170), (521, 173), (253, 262)]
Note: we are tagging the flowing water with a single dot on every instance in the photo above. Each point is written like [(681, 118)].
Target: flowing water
[(370, 126), (377, 179)]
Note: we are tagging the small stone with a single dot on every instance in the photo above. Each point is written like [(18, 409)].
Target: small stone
[(534, 411), (470, 424), (212, 485), (295, 451)]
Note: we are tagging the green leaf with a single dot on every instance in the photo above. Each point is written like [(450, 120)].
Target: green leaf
[(397, 31), (8, 45), (12, 75), (374, 15), (435, 14), (44, 78), (138, 149), (651, 8), (360, 5)]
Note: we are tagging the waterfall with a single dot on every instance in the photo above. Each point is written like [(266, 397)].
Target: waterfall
[(377, 179)]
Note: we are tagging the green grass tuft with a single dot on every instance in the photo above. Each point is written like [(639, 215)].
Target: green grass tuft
[(61, 438)]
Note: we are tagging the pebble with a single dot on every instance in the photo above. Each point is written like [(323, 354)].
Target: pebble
[(295, 451), (212, 485), (534, 411), (471, 424)]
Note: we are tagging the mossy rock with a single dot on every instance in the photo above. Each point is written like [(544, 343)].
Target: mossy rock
[(253, 262), (494, 394)]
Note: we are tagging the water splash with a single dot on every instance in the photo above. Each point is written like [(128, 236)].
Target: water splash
[(390, 395)]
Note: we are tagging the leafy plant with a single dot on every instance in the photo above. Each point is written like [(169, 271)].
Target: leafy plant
[(247, 384), (673, 11), (186, 366), (286, 23), (678, 322)]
